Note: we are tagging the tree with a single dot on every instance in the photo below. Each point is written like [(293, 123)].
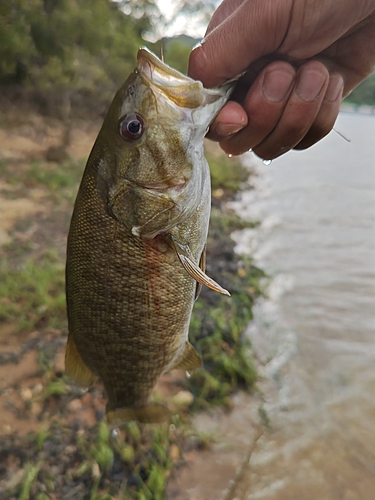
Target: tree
[(364, 93), (87, 45)]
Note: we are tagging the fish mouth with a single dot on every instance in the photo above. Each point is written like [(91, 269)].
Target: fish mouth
[(179, 88), (158, 71)]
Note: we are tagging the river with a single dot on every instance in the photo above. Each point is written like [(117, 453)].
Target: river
[(314, 334)]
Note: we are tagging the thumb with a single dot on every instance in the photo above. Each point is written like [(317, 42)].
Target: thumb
[(238, 35)]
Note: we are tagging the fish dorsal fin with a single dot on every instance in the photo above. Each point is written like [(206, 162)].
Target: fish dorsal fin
[(75, 368), (187, 260), (189, 359)]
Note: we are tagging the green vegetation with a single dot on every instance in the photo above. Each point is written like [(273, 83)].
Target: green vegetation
[(217, 333), (176, 51), (226, 173), (132, 464), (78, 44), (60, 181), (31, 473), (63, 177), (33, 296), (364, 93)]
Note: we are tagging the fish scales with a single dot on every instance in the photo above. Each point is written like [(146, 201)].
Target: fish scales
[(136, 239)]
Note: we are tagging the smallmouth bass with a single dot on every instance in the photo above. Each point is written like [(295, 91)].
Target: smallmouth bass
[(136, 245)]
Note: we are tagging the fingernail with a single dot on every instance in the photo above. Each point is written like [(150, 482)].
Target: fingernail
[(335, 87), (277, 85), (225, 129), (310, 86)]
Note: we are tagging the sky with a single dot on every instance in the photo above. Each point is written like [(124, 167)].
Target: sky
[(194, 25)]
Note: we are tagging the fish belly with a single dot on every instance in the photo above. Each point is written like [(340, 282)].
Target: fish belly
[(129, 304)]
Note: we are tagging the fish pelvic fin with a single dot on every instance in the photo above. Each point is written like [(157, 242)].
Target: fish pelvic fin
[(187, 260), (75, 368), (189, 359), (153, 413)]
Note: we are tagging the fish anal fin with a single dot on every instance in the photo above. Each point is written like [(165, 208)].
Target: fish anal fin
[(189, 359), (152, 413), (194, 270), (75, 368)]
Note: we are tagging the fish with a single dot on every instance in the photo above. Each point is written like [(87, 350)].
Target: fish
[(136, 247)]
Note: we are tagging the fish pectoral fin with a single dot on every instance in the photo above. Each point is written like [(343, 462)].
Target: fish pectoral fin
[(153, 413), (202, 266), (194, 270), (189, 359), (75, 368)]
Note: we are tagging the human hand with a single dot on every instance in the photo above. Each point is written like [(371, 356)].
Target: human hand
[(301, 58)]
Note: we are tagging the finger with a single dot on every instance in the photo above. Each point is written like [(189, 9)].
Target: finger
[(328, 112), (239, 40), (264, 105), (230, 120), (299, 113)]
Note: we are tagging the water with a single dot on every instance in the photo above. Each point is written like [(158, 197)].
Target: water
[(315, 334)]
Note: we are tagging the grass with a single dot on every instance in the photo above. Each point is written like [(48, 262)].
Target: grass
[(33, 295), (133, 464), (60, 181), (53, 176), (31, 473)]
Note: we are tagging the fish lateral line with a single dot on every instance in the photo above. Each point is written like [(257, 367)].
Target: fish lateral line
[(187, 261)]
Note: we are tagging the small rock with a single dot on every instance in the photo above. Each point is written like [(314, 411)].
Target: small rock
[(37, 389), (16, 479), (74, 405), (7, 429), (70, 449), (183, 398), (26, 394), (218, 193), (36, 408), (59, 365), (95, 471), (241, 272), (174, 452), (86, 399)]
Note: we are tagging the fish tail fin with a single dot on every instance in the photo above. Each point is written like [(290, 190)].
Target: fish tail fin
[(75, 368), (153, 413)]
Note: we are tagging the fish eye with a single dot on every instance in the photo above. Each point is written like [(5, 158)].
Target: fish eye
[(132, 127)]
